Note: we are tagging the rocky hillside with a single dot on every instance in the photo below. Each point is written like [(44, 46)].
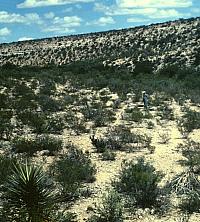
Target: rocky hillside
[(170, 42)]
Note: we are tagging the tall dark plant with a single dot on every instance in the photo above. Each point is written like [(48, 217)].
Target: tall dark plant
[(29, 193)]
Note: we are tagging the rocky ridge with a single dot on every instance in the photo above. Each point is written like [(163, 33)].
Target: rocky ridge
[(164, 43)]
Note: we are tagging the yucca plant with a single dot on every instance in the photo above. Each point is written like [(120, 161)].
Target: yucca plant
[(29, 193)]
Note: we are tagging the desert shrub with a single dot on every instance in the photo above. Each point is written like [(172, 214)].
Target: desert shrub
[(191, 202), (187, 186), (110, 210), (63, 217), (4, 100), (108, 155), (28, 194), (134, 115), (191, 150), (55, 124), (6, 126), (47, 86), (23, 90), (102, 144), (71, 170), (140, 181), (150, 125), (97, 113), (169, 71), (121, 133), (99, 144), (31, 145), (36, 120), (77, 124), (6, 164), (164, 137), (21, 103), (166, 112), (49, 104), (190, 121), (143, 67)]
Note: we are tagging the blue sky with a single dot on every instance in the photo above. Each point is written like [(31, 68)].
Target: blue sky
[(32, 19)]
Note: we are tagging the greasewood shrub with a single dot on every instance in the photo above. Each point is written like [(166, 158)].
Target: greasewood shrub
[(140, 181), (111, 209), (73, 169), (39, 143)]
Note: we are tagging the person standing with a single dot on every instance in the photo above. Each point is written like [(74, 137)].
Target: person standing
[(145, 99)]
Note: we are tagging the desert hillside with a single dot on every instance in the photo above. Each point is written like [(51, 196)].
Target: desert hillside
[(166, 43), (77, 144), (76, 141)]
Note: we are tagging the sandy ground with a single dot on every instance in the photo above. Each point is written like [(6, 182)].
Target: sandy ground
[(165, 159)]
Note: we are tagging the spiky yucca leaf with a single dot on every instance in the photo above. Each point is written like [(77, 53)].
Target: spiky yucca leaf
[(29, 191)]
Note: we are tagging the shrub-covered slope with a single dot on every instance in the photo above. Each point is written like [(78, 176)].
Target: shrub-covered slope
[(165, 43)]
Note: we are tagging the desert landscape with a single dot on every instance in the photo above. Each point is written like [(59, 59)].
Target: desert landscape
[(77, 143)]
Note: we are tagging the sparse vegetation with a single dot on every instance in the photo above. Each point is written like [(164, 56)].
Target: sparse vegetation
[(110, 210), (71, 170), (140, 181), (44, 110)]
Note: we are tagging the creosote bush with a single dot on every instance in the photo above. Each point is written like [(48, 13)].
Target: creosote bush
[(110, 210), (6, 164), (139, 181), (187, 186), (191, 150), (71, 170), (190, 121), (31, 145)]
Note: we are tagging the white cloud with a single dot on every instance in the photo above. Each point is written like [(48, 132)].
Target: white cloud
[(150, 12), (195, 10), (70, 9), (29, 18), (5, 31), (114, 10), (102, 21), (137, 20), (25, 38), (49, 15), (41, 3), (63, 25), (59, 30), (67, 21), (170, 13), (153, 3)]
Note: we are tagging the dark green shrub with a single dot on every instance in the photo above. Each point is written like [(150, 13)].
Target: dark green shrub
[(134, 115), (31, 145), (55, 124), (28, 194), (166, 112), (108, 155), (71, 170), (63, 217), (97, 113), (99, 144), (191, 203), (49, 104), (187, 186), (143, 67), (140, 181), (6, 126), (36, 120), (169, 71), (110, 210), (190, 121), (6, 164), (75, 123), (191, 150)]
